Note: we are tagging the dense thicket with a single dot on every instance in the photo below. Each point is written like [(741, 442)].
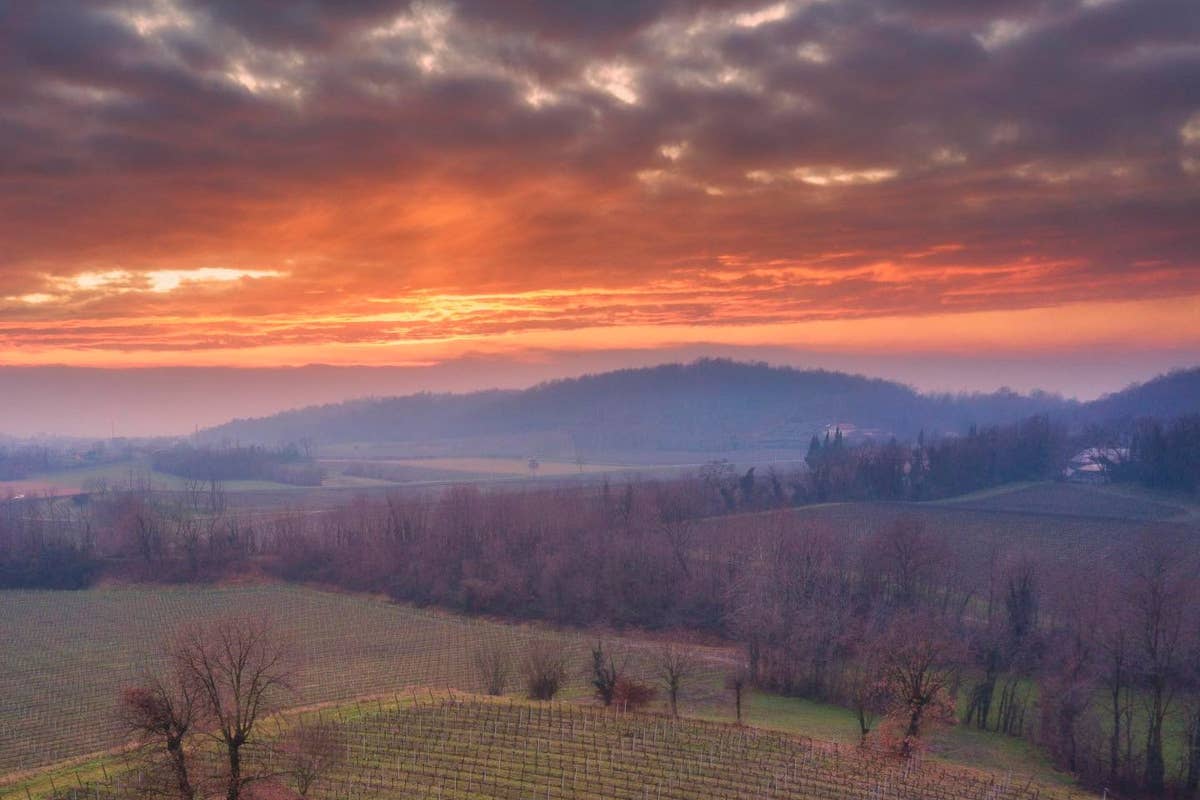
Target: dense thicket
[(1162, 456), (286, 464)]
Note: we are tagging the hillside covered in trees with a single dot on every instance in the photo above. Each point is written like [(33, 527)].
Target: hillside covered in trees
[(708, 405), (1175, 394)]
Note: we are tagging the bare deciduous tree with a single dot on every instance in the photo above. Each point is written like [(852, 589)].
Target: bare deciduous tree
[(309, 753), (1158, 598), (738, 682), (675, 666), (868, 692), (918, 668), (162, 711), (238, 667), (493, 666)]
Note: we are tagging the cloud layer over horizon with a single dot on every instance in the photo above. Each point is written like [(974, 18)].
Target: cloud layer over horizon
[(249, 182)]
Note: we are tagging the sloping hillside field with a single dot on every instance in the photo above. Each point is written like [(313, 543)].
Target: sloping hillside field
[(459, 747), (67, 655), (485, 749)]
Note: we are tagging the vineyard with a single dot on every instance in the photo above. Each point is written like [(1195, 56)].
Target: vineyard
[(454, 746), (1061, 531), (66, 655)]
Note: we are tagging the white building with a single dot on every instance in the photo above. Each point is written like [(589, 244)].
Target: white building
[(1092, 465)]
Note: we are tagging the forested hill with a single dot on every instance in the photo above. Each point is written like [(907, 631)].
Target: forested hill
[(708, 405), (1175, 394)]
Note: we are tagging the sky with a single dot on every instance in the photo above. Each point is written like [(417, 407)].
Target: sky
[(526, 187)]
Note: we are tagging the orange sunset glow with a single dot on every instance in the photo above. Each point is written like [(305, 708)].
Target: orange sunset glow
[(411, 183)]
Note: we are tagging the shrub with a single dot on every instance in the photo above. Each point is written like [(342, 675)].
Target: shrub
[(544, 670), (630, 695)]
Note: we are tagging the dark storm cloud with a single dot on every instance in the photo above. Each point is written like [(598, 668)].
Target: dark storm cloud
[(296, 22), (375, 147)]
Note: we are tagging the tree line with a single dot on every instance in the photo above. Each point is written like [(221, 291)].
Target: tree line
[(1160, 455), (291, 463)]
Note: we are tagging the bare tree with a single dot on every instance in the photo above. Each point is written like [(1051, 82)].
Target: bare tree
[(918, 669), (239, 668), (1114, 668), (162, 711), (1191, 780), (675, 666), (867, 691), (1158, 598), (738, 682), (544, 670), (493, 666), (675, 518), (908, 556), (310, 752)]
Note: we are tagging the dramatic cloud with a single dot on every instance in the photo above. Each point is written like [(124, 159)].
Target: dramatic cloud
[(249, 181)]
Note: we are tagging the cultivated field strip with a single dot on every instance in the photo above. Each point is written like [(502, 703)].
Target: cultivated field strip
[(65, 656), (471, 748), (468, 748)]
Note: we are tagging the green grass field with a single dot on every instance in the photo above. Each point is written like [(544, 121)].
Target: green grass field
[(506, 466), (392, 472), (1077, 500), (117, 475)]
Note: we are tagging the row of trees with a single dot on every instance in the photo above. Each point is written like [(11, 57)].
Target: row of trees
[(544, 670), (290, 463), (1162, 456), (1034, 449), (21, 459), (189, 534)]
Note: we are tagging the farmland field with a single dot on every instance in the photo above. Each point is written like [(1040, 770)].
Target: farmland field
[(524, 750), (66, 655), (428, 745), (138, 473), (1068, 499), (979, 531), (501, 466)]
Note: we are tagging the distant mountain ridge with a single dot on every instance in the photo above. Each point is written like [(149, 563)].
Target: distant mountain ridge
[(709, 405)]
